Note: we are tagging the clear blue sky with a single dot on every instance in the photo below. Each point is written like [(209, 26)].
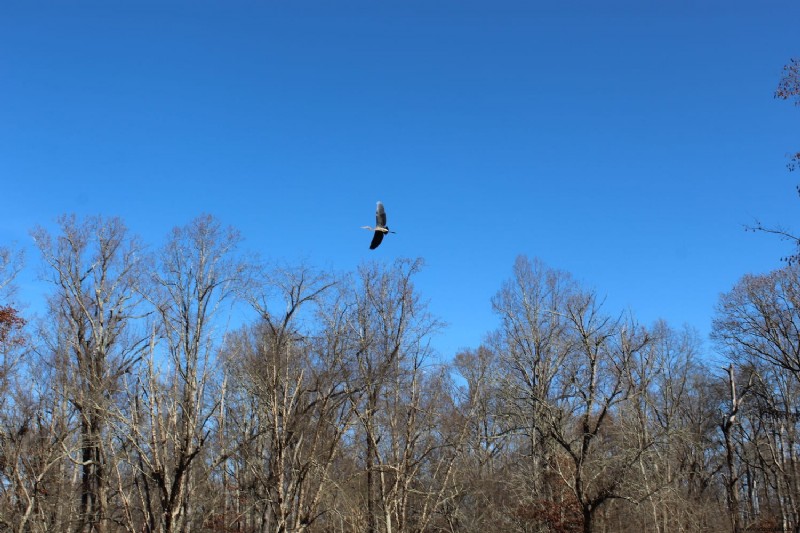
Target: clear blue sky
[(627, 143)]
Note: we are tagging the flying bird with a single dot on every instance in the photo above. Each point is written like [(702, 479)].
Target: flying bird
[(380, 228)]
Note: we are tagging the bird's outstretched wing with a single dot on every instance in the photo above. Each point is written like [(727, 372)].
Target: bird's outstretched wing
[(380, 217), (376, 240)]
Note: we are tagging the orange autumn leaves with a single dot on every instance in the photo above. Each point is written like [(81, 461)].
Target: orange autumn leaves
[(11, 325)]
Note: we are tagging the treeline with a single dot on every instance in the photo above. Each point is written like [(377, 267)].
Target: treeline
[(132, 405)]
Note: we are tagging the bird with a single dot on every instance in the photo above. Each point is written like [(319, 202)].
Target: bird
[(380, 228)]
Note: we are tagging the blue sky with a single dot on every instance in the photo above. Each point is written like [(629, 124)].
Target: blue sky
[(625, 142)]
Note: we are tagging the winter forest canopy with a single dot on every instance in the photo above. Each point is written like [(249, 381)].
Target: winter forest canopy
[(134, 405)]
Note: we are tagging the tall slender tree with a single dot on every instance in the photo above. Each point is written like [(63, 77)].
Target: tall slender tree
[(95, 265), (198, 272)]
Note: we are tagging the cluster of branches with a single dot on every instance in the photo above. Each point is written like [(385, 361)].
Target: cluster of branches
[(133, 405)]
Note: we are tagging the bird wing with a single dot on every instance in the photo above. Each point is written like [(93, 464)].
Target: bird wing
[(380, 216), (376, 240)]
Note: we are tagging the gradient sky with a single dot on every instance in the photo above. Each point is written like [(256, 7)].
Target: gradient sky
[(627, 143)]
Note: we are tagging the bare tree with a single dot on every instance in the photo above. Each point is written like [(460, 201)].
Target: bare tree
[(95, 265), (512, 379), (392, 330), (759, 319), (484, 465), (534, 345), (672, 410), (593, 390), (292, 400), (757, 328), (37, 480), (769, 429), (197, 273)]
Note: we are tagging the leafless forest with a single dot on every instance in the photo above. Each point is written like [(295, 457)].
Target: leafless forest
[(134, 405)]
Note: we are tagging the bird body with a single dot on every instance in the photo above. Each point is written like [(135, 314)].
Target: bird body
[(380, 228)]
